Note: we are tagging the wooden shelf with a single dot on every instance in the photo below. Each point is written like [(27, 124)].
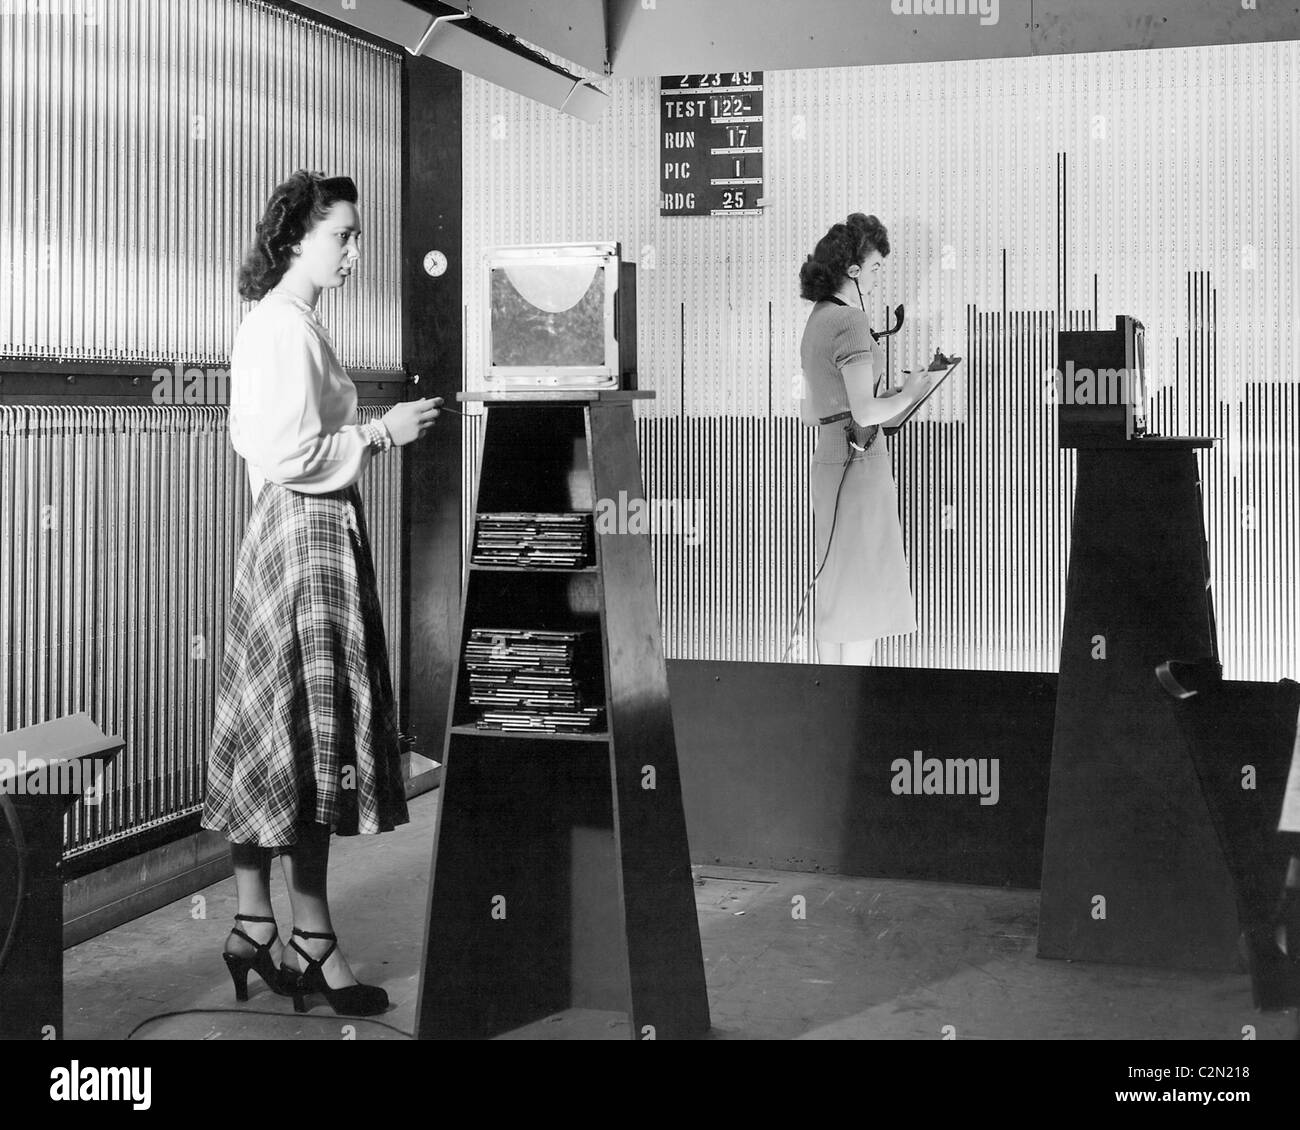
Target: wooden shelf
[(549, 395), (589, 514), (531, 735), (534, 568), (500, 513)]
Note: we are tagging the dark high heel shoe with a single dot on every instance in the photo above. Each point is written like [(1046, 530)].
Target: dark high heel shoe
[(351, 1000), (260, 962)]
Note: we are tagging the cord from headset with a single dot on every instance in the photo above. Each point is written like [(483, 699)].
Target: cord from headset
[(835, 513), (20, 846)]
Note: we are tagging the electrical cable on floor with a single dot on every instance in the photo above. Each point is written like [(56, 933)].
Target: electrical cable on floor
[(20, 846), (265, 1012)]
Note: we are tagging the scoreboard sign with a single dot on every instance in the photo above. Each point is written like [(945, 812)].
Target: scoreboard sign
[(711, 144)]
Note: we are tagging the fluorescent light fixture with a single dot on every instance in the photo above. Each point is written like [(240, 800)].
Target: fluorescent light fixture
[(428, 32), (468, 44), (586, 102)]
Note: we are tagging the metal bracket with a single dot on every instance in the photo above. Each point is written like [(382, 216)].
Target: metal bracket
[(418, 49)]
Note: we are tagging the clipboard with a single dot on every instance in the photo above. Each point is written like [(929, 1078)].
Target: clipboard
[(916, 407)]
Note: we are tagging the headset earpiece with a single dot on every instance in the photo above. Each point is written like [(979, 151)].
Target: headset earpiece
[(854, 271)]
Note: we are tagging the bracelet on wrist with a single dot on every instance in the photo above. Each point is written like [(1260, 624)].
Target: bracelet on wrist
[(377, 435)]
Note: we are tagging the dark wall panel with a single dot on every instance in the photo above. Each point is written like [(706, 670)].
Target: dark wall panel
[(431, 213), (790, 767)]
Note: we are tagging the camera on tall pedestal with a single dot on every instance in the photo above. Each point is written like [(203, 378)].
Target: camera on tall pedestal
[(560, 315), (1101, 391)]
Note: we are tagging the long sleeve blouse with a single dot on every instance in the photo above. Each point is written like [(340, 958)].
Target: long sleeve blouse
[(293, 409)]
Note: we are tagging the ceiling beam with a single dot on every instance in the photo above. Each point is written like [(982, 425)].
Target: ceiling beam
[(466, 41), (657, 37), (571, 29)]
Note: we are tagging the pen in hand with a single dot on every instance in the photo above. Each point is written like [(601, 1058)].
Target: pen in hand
[(415, 379)]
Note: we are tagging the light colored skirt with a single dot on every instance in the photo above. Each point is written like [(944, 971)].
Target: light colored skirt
[(863, 592)]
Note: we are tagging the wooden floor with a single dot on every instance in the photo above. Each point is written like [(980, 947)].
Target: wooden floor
[(788, 955)]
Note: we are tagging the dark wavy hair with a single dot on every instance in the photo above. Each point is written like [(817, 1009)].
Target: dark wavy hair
[(836, 251), (295, 207)]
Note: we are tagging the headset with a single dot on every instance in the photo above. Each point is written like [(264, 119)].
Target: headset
[(851, 432)]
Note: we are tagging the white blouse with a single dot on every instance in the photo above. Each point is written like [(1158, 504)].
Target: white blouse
[(293, 410)]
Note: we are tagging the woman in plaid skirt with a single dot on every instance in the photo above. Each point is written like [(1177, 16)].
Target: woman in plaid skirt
[(305, 738)]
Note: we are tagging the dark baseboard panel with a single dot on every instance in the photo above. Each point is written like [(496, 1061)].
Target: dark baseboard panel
[(792, 767), (783, 766), (96, 903)]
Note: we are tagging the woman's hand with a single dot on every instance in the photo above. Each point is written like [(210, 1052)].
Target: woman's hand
[(919, 383), (915, 387), (408, 421)]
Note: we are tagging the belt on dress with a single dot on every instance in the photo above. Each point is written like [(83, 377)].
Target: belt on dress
[(853, 431)]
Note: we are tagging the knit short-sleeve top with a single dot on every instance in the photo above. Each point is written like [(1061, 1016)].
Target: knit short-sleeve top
[(835, 336)]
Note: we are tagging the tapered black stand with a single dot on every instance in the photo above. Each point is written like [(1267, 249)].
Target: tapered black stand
[(561, 898), (1132, 871)]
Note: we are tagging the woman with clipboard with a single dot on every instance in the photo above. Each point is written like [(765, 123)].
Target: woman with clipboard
[(862, 584)]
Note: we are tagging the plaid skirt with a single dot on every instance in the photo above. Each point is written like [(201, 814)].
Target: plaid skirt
[(305, 728)]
